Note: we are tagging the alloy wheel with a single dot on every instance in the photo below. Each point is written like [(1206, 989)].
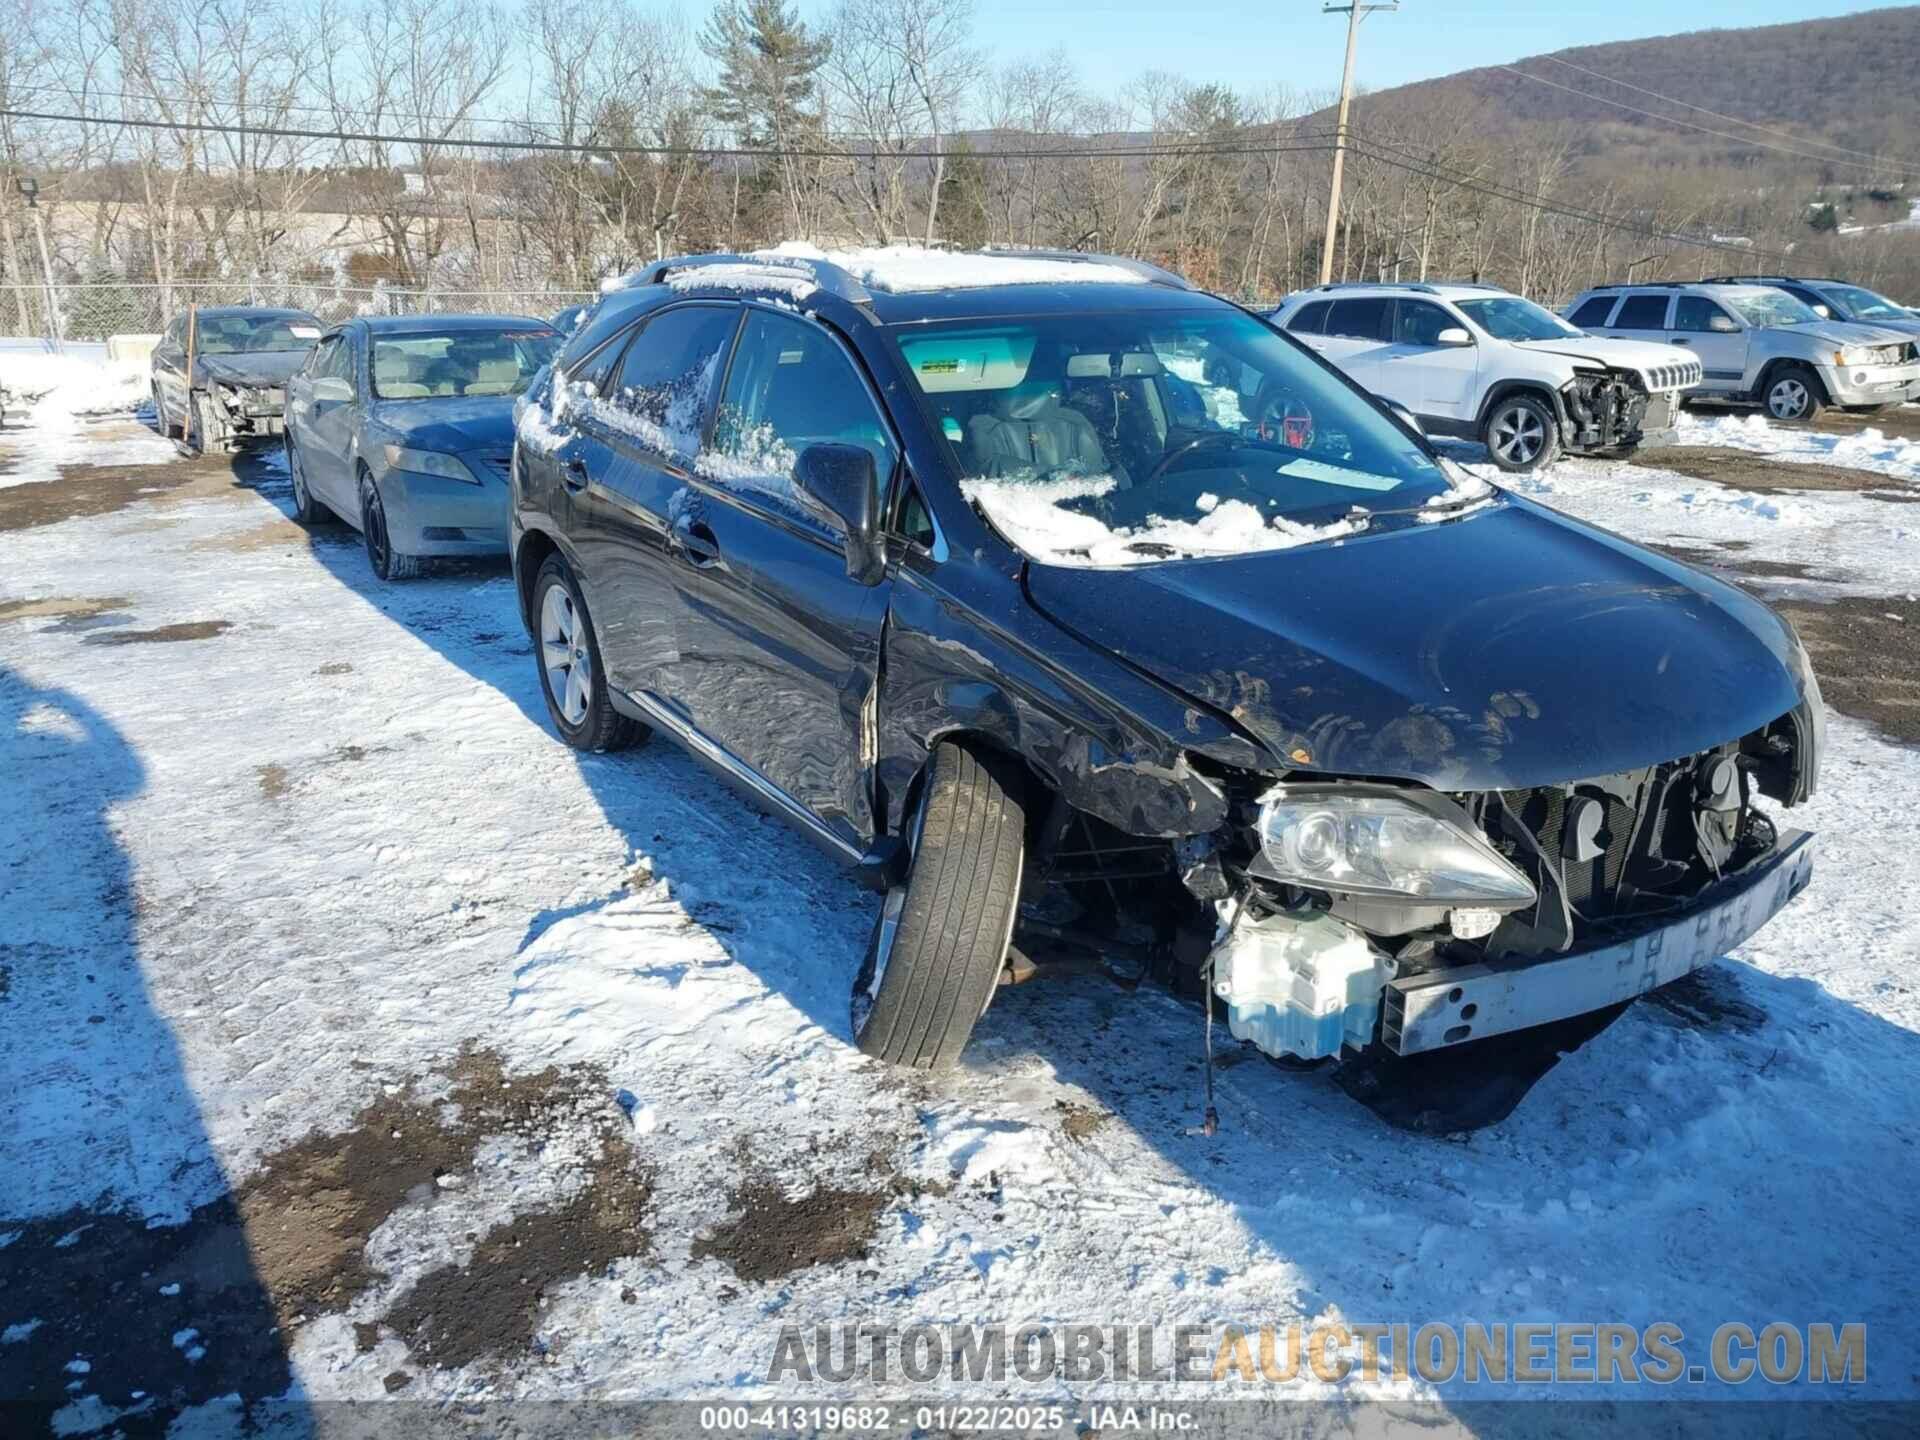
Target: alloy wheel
[(1517, 435), (564, 655), (1789, 399)]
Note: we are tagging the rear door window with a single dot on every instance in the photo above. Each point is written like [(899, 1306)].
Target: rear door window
[(1367, 319), (1642, 312), (666, 379)]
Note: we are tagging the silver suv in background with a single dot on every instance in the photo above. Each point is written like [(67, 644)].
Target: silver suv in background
[(1836, 300), (1758, 345)]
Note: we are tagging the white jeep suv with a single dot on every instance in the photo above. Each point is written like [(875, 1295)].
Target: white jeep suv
[(1475, 362)]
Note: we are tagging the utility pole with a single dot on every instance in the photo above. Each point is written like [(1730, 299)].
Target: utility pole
[(1355, 13), (29, 189)]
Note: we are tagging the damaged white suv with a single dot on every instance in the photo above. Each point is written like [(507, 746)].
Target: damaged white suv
[(1477, 363)]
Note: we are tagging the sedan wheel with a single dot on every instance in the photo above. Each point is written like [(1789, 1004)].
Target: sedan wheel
[(306, 509), (387, 563)]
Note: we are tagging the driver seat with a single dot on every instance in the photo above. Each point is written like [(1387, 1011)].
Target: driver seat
[(1030, 429)]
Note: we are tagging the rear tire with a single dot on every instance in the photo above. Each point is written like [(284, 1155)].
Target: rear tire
[(306, 509), (567, 653), (1793, 395), (387, 563), (1521, 434), (935, 956)]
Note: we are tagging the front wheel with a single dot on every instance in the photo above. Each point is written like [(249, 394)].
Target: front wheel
[(936, 952), (1793, 394), (387, 563), (1521, 434)]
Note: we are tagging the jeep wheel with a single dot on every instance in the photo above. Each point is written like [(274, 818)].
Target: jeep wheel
[(937, 948), (1521, 434), (1793, 393), (571, 676)]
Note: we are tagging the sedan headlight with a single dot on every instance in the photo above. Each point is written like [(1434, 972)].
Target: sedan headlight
[(1379, 843), (430, 462)]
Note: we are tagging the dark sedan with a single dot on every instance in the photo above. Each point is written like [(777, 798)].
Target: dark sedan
[(403, 427), (243, 356)]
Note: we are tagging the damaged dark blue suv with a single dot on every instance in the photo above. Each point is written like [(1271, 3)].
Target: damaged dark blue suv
[(1082, 610)]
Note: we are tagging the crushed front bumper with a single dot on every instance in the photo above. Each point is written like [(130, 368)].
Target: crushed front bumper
[(1872, 384), (1438, 1008)]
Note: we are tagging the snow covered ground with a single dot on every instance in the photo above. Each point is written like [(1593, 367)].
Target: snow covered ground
[(298, 882)]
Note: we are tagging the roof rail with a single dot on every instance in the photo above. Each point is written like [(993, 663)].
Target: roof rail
[(1772, 280), (1420, 285), (824, 273), (1646, 284), (1145, 269)]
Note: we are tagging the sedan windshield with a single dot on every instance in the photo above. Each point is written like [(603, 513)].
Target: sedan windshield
[(1762, 308), (1508, 317), (1864, 304), (254, 334), (1131, 437), (424, 365)]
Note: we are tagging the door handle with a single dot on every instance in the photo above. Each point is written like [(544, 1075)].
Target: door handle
[(697, 542), (574, 474)]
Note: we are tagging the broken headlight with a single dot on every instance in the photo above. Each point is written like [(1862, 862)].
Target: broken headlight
[(1383, 843)]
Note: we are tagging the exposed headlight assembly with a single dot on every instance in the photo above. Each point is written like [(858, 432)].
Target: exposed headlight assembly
[(1374, 841), (430, 462)]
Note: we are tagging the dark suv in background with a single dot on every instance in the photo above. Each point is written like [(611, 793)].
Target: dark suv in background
[(1076, 607)]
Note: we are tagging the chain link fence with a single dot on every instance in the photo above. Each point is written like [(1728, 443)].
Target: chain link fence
[(92, 312)]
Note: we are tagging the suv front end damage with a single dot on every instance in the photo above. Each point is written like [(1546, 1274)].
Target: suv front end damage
[(1611, 409)]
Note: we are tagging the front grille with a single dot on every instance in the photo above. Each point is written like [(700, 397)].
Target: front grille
[(1673, 377)]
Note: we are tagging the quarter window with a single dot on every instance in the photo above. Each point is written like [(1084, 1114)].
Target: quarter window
[(1642, 312), (666, 377), (1310, 319), (790, 387)]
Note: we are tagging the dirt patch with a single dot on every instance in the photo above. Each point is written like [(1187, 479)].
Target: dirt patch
[(1078, 1122), (1867, 655), (1744, 470), (774, 1235), (335, 667), (162, 634), (273, 781), (1715, 558), (60, 607), (491, 1305), (82, 491)]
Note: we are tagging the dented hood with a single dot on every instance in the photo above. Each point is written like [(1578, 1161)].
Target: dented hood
[(1502, 650), (253, 367), (1619, 354)]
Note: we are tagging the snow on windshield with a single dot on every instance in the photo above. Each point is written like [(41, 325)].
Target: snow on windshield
[(903, 269), (1032, 514)]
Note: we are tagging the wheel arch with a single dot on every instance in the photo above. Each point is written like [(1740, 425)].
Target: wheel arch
[(1505, 390), (1771, 372)]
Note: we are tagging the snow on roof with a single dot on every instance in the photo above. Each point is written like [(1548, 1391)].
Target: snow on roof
[(904, 269), (796, 283)]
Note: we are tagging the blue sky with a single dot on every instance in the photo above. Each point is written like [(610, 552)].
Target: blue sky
[(1253, 46)]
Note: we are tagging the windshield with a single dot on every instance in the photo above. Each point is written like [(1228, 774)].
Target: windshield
[(1131, 437), (1770, 307), (1864, 304), (254, 334), (424, 366), (1508, 317)]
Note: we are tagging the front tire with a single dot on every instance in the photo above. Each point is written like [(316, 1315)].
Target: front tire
[(936, 952), (571, 675), (387, 563), (1521, 434), (1793, 395)]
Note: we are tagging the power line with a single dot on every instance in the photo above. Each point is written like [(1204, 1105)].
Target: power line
[(1731, 119), (1703, 129), (1145, 151)]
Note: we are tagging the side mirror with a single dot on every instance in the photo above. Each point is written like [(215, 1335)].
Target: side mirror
[(1453, 335), (333, 388), (839, 484), (1721, 324), (1406, 417)]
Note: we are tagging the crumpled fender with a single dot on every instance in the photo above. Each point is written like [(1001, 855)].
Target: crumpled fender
[(1103, 736)]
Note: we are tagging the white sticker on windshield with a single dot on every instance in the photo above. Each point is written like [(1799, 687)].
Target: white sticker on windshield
[(1338, 475), (305, 332)]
